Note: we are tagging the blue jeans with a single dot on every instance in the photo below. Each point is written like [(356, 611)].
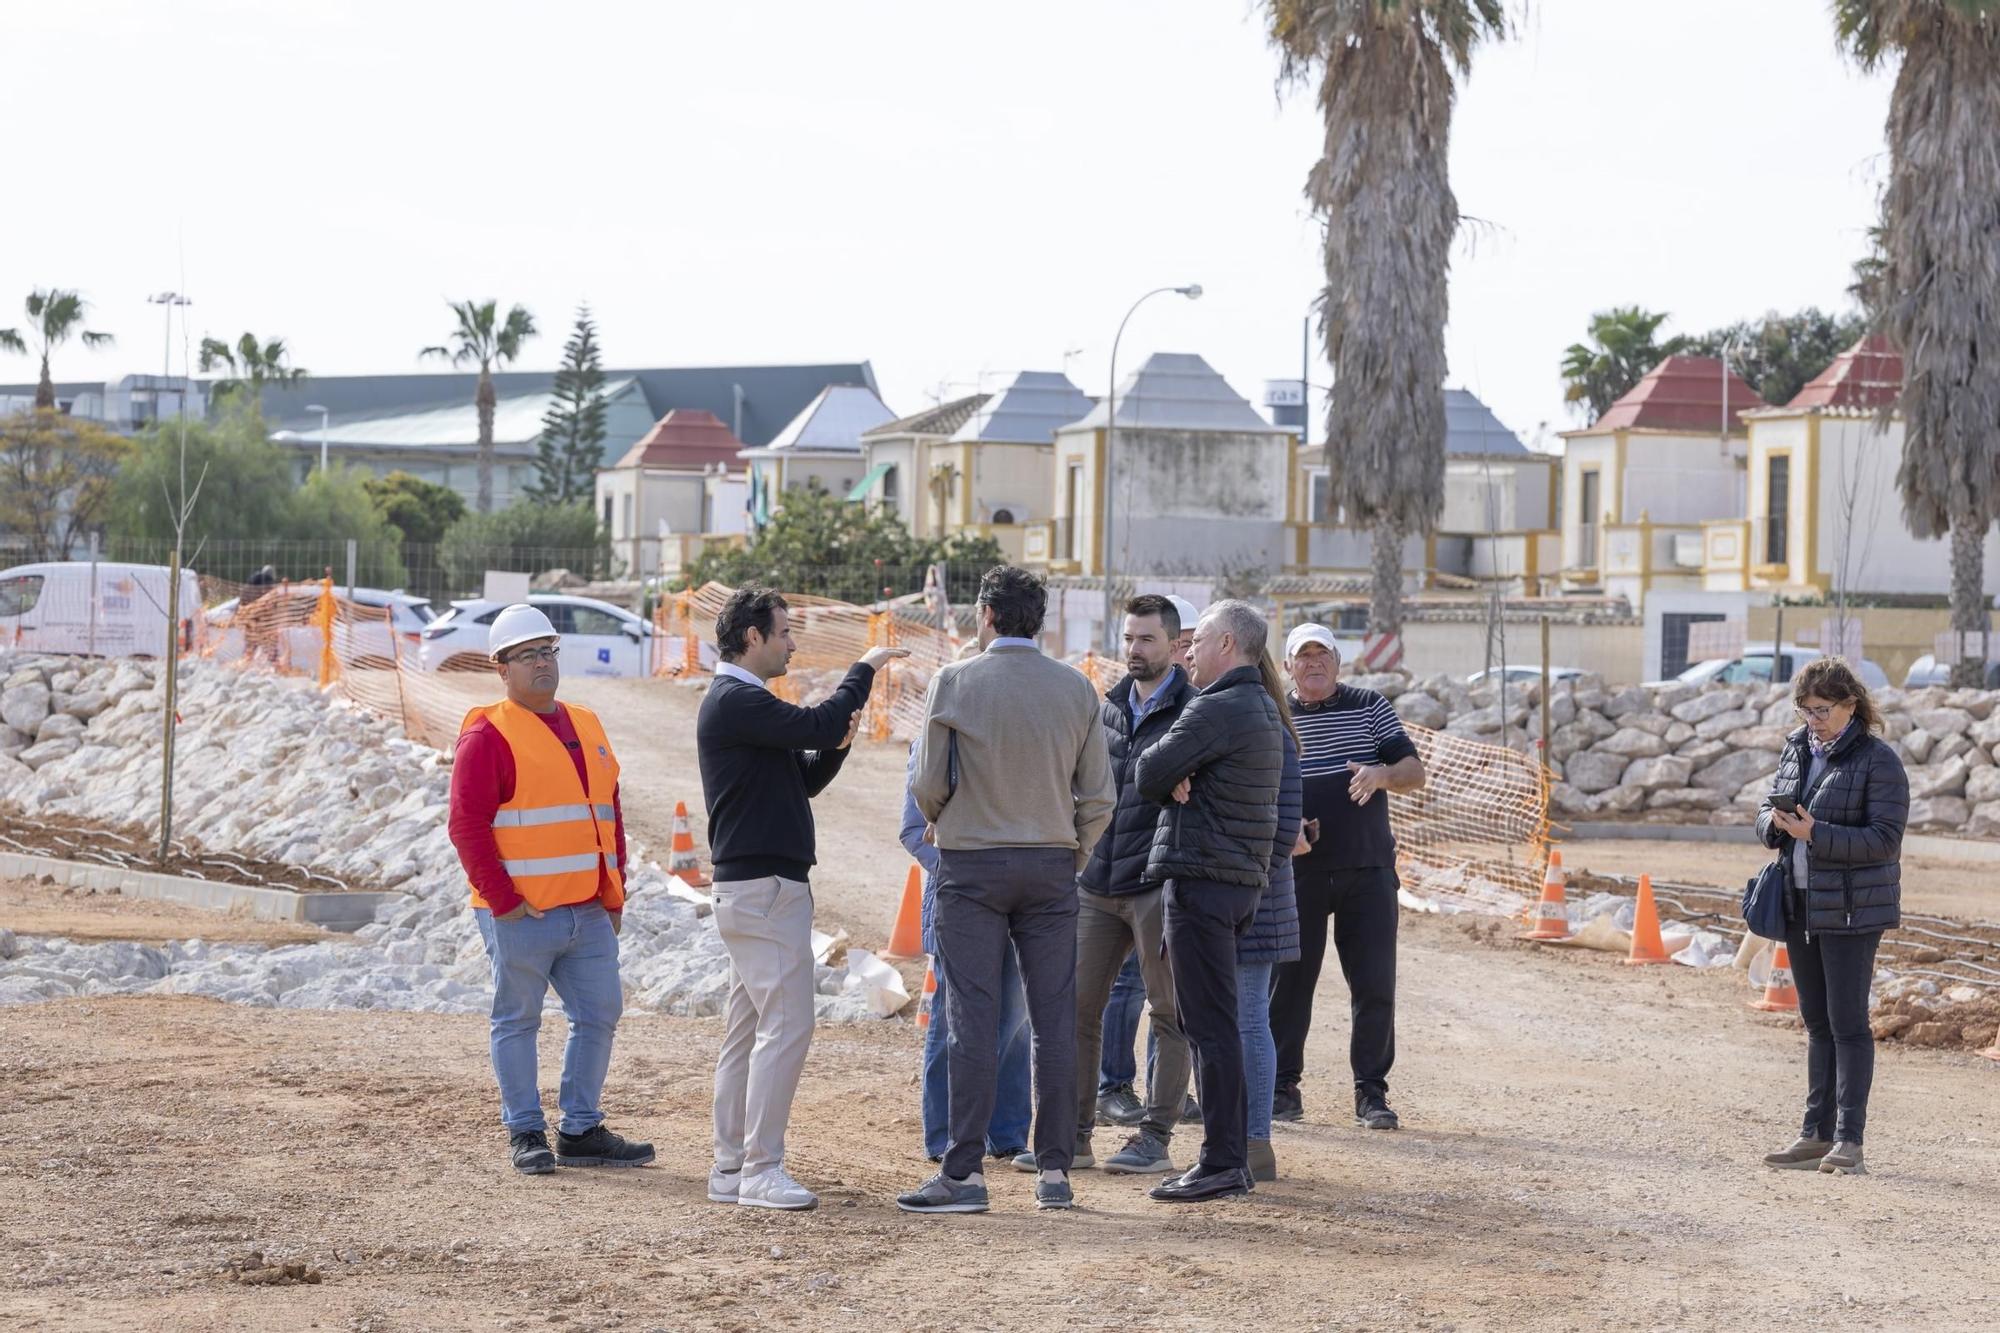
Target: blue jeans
[(575, 950), (1260, 1049), (1119, 1066), (1008, 1128)]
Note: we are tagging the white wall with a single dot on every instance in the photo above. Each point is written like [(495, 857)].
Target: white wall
[(1858, 459)]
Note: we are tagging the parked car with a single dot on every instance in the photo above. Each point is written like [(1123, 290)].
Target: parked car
[(1926, 670), (48, 608), (598, 639), (361, 640), (1754, 668), (1523, 675)]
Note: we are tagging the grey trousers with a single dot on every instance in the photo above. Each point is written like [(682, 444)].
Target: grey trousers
[(985, 899), (766, 924), (1107, 928)]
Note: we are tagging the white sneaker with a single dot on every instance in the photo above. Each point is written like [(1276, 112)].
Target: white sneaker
[(775, 1189), (722, 1185)]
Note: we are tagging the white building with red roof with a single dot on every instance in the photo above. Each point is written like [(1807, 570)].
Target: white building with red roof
[(678, 482), (1640, 482)]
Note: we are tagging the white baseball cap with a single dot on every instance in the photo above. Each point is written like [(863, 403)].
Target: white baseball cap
[(1185, 610), (1302, 635)]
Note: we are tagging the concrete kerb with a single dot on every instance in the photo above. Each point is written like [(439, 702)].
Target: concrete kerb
[(343, 911), (1959, 851)]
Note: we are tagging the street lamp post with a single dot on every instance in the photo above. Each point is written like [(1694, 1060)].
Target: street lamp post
[(1193, 293), (315, 407), (169, 300)]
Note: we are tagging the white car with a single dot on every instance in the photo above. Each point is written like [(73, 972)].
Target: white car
[(363, 640), (598, 639), (1524, 675), (50, 608), (1926, 671), (1754, 668)]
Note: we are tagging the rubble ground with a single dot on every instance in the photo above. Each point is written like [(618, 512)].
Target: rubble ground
[(1580, 1152)]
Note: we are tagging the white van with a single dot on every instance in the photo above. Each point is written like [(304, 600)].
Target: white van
[(51, 608)]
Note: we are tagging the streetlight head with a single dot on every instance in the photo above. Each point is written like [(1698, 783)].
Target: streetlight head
[(315, 407), (1192, 291)]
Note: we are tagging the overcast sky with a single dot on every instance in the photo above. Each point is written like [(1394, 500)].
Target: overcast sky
[(953, 191)]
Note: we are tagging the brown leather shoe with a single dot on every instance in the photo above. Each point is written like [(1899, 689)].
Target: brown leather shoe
[(1803, 1155)]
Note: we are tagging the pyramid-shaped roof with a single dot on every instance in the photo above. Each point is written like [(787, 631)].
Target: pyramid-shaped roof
[(1866, 376), (1029, 409), (940, 420), (686, 438), (1471, 428), (1683, 393), (834, 421), (1180, 391)]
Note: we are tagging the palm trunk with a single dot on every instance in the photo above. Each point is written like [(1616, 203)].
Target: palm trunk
[(1385, 593), (45, 390), (484, 400), (1968, 599)]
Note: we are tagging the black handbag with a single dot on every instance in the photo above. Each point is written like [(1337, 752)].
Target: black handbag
[(1764, 901)]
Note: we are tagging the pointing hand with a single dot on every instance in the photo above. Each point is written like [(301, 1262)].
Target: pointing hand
[(875, 657)]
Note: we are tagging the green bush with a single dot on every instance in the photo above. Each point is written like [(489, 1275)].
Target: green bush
[(525, 538)]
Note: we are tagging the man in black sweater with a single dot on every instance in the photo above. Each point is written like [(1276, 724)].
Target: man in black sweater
[(762, 760)]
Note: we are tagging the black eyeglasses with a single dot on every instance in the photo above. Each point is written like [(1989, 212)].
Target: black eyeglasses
[(1820, 714), (531, 655)]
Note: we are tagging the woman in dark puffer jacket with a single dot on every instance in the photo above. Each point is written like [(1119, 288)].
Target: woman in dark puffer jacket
[(1273, 938), (1842, 851)]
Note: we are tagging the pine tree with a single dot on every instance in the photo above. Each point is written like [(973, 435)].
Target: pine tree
[(570, 448)]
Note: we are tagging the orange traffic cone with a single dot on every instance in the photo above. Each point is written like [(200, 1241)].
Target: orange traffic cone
[(1549, 918), (1779, 995), (1647, 946), (906, 941), (683, 862), (928, 998)]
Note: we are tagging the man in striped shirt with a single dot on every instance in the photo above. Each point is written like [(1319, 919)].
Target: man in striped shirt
[(1353, 752)]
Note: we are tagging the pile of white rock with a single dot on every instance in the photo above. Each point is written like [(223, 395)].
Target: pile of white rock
[(273, 768), (1675, 752)]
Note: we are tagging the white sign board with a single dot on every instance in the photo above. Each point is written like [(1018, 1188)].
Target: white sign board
[(505, 587), (1709, 640), (1952, 645)]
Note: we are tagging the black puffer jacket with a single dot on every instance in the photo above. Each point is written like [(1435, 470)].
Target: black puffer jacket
[(1227, 738), (1274, 936), (1859, 808), (1118, 863)]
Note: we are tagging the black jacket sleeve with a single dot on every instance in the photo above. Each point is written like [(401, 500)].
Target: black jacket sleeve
[(818, 767), (759, 717), (1193, 740)]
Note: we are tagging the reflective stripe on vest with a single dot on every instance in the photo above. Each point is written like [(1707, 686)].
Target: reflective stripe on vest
[(557, 838), (550, 814)]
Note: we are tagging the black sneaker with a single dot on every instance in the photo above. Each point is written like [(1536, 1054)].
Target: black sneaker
[(531, 1153), (1120, 1106), (1191, 1112), (1371, 1111), (600, 1147), (1287, 1105)]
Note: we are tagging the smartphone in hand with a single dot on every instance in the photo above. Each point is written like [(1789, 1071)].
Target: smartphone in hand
[(1785, 802)]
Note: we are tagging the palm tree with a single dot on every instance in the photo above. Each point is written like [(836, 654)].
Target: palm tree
[(1938, 287), (1622, 348), (1381, 186), (480, 338), (250, 364), (53, 316)]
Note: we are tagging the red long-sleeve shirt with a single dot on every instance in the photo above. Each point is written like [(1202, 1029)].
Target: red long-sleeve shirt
[(482, 780)]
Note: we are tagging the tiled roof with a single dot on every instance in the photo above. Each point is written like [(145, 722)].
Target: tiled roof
[(1180, 391), (1029, 409), (1471, 428), (684, 438), (940, 420), (1866, 375), (834, 421), (1682, 393)]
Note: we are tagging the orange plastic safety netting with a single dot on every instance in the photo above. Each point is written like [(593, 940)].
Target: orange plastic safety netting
[(1475, 837)]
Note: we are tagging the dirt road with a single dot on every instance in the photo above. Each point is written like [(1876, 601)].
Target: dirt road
[(1579, 1154)]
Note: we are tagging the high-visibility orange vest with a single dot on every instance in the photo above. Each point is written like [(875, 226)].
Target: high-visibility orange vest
[(553, 833)]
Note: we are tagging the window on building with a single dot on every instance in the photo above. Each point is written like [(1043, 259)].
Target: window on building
[(1003, 518), (1074, 492), (607, 511), (892, 489), (1319, 488), (1589, 507), (630, 530), (1777, 508)]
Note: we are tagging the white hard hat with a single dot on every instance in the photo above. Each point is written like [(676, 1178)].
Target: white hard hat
[(1184, 609), (519, 623)]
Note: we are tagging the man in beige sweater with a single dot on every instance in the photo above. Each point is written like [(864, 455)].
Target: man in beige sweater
[(1013, 774)]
